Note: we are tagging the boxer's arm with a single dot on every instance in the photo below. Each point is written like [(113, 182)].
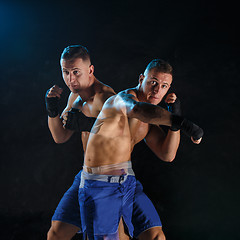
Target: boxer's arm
[(156, 115), (163, 145), (101, 97), (83, 121), (143, 111), (59, 133)]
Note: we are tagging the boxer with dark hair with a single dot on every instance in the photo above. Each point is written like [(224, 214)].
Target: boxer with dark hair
[(109, 191), (84, 104)]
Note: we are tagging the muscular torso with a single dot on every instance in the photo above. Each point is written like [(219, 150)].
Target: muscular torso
[(93, 105), (113, 136), (90, 110)]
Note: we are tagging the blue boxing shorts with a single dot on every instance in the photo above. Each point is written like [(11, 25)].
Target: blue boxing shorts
[(144, 216), (67, 210), (103, 200)]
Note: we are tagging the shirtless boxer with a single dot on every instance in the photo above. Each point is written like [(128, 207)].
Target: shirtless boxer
[(108, 186), (89, 95)]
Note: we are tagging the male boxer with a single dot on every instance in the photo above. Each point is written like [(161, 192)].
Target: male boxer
[(108, 191), (89, 95)]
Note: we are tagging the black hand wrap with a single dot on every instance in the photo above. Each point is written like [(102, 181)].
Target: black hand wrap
[(175, 108), (52, 105), (78, 121), (188, 127)]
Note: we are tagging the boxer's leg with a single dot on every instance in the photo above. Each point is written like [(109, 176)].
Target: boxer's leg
[(152, 234), (122, 231), (104, 200), (145, 219), (121, 234), (61, 231), (66, 220)]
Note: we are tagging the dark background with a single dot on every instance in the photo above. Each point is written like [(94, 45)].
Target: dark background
[(197, 195)]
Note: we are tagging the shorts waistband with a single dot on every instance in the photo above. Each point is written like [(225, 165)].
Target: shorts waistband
[(112, 169), (104, 178)]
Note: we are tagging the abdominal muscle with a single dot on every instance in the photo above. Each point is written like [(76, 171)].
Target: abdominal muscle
[(103, 150), (109, 141), (112, 138)]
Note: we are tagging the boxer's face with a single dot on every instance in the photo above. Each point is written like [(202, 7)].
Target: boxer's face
[(154, 85), (77, 74)]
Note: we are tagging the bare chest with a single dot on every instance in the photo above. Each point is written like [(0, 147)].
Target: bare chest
[(90, 108)]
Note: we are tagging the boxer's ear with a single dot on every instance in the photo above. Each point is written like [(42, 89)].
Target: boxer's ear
[(141, 78), (91, 69)]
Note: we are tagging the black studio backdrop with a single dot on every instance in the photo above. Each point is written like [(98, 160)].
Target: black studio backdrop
[(197, 195)]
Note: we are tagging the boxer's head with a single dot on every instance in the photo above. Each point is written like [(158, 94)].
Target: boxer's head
[(155, 82), (77, 70)]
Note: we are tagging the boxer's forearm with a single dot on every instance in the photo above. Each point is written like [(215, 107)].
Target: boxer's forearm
[(156, 115), (59, 134), (163, 145), (143, 111), (170, 146), (150, 113)]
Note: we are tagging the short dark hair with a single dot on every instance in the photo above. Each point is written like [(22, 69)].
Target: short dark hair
[(160, 65), (75, 51)]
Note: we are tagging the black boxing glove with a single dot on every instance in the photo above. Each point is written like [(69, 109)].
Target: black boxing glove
[(188, 127), (52, 105), (78, 121)]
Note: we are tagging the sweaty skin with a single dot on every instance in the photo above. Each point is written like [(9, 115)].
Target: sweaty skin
[(111, 140), (91, 107), (118, 129), (87, 94), (124, 121), (131, 116), (121, 124)]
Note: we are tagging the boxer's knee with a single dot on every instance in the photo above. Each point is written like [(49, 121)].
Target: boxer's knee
[(155, 233), (160, 236), (52, 234), (61, 231), (55, 234)]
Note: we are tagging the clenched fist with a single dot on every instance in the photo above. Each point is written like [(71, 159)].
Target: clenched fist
[(52, 100)]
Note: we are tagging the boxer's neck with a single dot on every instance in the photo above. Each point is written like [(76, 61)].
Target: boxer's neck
[(89, 92)]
